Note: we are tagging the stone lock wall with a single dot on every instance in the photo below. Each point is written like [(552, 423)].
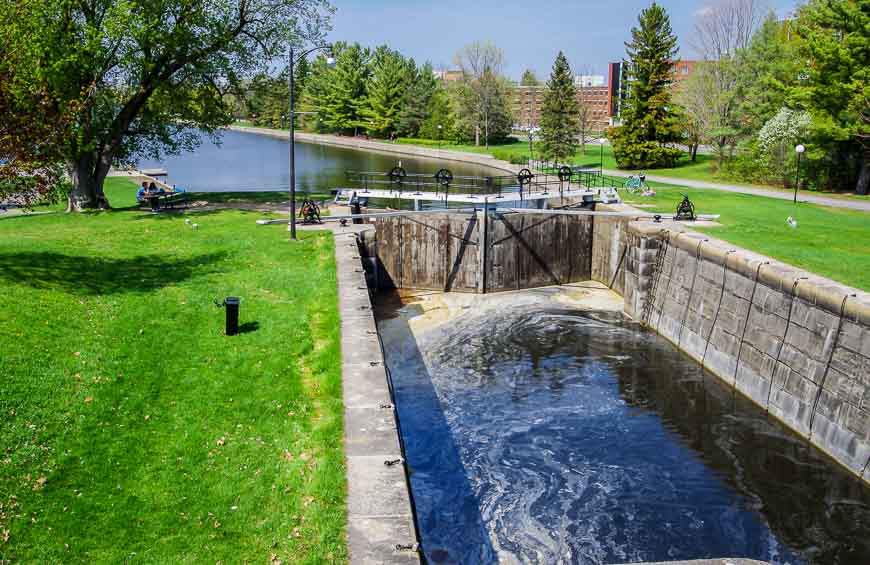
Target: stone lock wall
[(797, 344)]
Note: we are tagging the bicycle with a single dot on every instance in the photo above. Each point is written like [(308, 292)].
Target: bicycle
[(636, 184)]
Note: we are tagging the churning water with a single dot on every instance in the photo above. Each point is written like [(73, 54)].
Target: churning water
[(539, 433)]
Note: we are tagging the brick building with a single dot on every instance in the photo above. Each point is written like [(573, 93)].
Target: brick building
[(682, 69), (526, 103)]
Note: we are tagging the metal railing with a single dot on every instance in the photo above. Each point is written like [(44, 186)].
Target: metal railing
[(545, 181)]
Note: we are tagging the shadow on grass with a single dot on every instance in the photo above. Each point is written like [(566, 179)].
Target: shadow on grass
[(86, 275), (249, 327)]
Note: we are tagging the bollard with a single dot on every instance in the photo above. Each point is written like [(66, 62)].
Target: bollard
[(232, 324)]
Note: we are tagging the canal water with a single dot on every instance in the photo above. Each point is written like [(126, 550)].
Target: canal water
[(539, 432), (253, 162)]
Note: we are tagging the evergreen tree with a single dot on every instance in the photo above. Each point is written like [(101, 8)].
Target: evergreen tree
[(559, 113), (314, 98), (416, 103), (345, 97), (767, 70), (385, 92), (439, 113), (529, 78), (835, 43), (648, 122)]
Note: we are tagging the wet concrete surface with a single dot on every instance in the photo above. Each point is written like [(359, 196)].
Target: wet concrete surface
[(544, 427)]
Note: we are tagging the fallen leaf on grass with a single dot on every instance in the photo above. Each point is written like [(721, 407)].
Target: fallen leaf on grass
[(89, 399), (40, 482), (4, 536), (77, 353), (147, 417), (221, 441), (287, 456), (273, 560)]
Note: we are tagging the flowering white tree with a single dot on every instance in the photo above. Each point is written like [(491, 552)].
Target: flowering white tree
[(777, 139)]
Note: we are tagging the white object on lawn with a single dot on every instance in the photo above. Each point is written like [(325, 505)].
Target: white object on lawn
[(792, 222)]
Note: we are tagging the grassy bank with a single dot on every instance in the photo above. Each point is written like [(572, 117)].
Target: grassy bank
[(831, 242), (132, 429)]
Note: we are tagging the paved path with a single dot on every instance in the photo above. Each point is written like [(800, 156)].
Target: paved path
[(862, 205)]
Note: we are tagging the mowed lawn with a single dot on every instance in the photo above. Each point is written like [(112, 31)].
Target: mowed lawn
[(831, 242), (131, 428)]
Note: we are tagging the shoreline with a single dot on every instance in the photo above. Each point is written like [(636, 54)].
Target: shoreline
[(386, 147)]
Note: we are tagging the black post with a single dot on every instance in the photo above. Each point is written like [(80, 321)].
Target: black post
[(292, 153), (798, 180), (232, 319)]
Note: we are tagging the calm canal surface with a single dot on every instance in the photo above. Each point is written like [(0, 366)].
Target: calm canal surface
[(253, 162), (545, 434)]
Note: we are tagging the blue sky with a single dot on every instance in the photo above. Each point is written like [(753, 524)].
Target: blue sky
[(531, 32)]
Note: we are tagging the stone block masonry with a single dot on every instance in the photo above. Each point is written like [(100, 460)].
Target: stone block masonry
[(796, 344), (379, 512)]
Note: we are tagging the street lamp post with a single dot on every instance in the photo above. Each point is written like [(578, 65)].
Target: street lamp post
[(330, 61), (439, 137), (800, 151), (532, 131), (601, 154)]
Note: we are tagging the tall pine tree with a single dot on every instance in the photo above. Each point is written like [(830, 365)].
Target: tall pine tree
[(415, 104), (559, 113), (346, 94), (649, 126), (385, 91)]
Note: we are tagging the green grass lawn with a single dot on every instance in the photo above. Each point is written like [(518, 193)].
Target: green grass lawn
[(831, 242), (131, 428)]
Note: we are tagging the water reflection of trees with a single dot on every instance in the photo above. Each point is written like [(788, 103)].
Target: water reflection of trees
[(809, 502)]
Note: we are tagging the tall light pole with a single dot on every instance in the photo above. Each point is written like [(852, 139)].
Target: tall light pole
[(601, 152), (439, 136), (329, 61), (800, 151)]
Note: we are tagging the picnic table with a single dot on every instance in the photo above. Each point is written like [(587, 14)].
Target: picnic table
[(162, 198)]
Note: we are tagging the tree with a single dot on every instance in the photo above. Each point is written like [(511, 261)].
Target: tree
[(648, 121), (559, 121), (482, 92), (767, 71), (439, 113), (724, 28), (416, 104), (835, 42), (345, 96), (33, 127), (708, 102), (145, 78), (385, 91), (776, 142), (709, 96), (529, 78)]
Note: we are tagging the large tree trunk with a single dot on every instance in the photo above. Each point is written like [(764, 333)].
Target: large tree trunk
[(863, 184), (694, 151), (87, 174)]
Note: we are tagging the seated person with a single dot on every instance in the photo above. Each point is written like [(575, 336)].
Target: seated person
[(142, 193)]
